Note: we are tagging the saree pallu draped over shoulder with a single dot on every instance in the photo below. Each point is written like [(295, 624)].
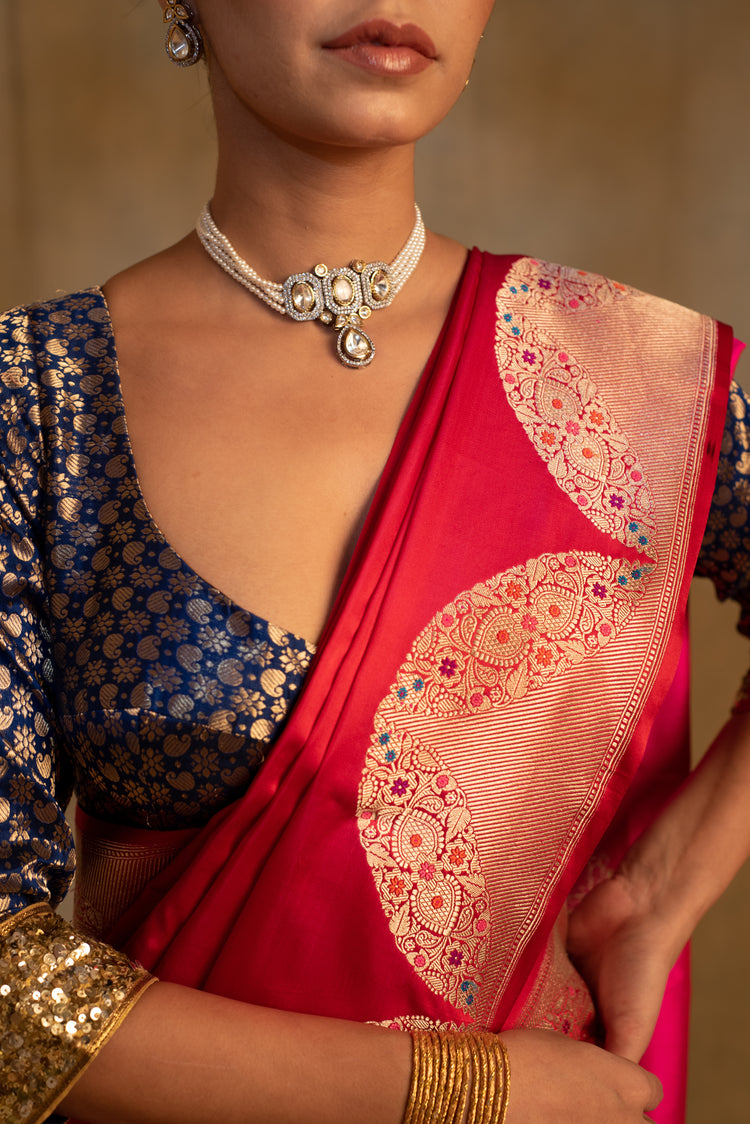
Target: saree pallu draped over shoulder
[(472, 745)]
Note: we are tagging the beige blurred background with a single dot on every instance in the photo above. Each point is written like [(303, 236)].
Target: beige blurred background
[(608, 135)]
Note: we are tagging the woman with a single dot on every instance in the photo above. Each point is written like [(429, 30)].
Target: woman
[(317, 111)]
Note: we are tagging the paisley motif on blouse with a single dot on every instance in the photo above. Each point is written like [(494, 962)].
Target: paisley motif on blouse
[(725, 551), (121, 670)]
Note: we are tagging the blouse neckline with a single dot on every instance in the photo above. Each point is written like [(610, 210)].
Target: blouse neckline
[(109, 334), (108, 331)]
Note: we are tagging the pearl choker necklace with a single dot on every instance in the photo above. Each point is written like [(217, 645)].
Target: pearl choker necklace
[(342, 297)]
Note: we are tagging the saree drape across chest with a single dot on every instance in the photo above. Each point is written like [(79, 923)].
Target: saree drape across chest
[(502, 652)]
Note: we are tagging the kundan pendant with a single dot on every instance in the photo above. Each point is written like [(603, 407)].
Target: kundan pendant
[(354, 347), (342, 298), (184, 43)]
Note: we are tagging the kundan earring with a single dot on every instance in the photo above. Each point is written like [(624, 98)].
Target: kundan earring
[(184, 41)]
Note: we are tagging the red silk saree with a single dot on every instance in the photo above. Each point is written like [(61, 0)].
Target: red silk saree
[(496, 709)]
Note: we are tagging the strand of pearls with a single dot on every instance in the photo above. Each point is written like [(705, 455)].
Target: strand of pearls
[(218, 246)]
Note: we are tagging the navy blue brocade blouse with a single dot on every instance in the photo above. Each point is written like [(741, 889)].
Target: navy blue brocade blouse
[(123, 674), (725, 551)]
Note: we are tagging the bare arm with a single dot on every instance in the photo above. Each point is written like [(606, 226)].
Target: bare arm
[(628, 932), (185, 1057)]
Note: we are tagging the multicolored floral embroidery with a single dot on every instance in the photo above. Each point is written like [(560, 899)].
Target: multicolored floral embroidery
[(560, 408), (560, 999), (544, 285), (500, 640), (512, 634), (491, 645), (415, 1022), (416, 829)]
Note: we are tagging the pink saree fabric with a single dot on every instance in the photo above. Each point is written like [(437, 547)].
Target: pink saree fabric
[(493, 713)]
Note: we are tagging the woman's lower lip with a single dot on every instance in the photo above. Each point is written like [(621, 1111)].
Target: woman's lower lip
[(381, 59)]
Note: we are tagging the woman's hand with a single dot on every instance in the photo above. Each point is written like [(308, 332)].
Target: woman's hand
[(555, 1080), (627, 933), (625, 959)]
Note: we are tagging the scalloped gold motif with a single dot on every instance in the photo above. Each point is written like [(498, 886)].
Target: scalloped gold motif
[(416, 829), (560, 408), (500, 640), (512, 634)]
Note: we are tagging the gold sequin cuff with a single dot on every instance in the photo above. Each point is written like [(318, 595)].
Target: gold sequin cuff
[(61, 997)]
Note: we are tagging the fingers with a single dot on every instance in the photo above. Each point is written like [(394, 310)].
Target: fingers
[(629, 993), (656, 1091), (645, 1090), (629, 1037), (561, 1081)]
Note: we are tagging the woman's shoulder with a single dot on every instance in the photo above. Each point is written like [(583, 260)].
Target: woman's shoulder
[(57, 309), (598, 313), (54, 356), (539, 281), (51, 346), (32, 334)]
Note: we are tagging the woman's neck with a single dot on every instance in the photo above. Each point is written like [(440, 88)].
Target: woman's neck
[(286, 206)]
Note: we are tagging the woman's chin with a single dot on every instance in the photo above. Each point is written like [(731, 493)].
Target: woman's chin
[(374, 123)]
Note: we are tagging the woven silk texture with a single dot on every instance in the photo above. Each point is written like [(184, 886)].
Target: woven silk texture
[(125, 675)]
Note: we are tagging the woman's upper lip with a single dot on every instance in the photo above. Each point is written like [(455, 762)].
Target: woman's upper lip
[(386, 34)]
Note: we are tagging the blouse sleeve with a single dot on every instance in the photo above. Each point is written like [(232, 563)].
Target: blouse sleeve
[(61, 995), (725, 551)]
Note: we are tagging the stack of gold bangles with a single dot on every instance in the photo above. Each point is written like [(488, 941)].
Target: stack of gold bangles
[(458, 1076)]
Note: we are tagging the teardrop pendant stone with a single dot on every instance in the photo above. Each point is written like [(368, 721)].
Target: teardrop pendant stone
[(357, 346), (179, 44)]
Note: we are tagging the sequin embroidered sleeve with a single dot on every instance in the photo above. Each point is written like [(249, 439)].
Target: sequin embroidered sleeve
[(725, 551), (60, 996)]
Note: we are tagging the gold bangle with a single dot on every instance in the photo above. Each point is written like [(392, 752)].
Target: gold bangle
[(478, 1099), (411, 1104), (493, 1106), (445, 1078), (423, 1076), (494, 1079), (428, 1077), (506, 1081), (459, 1083), (436, 1080), (457, 1074)]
